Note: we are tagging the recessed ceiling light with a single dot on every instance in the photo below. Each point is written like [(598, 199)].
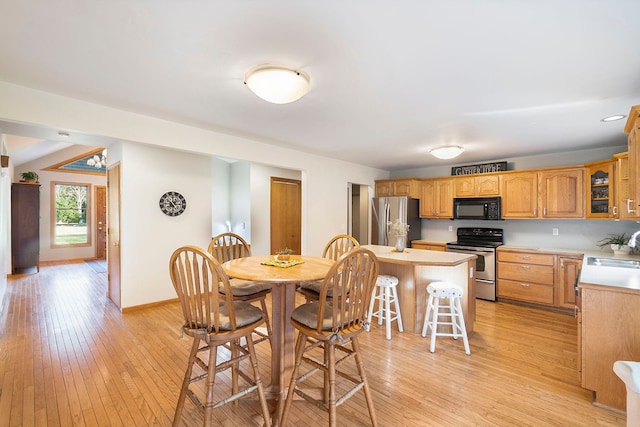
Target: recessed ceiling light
[(613, 118)]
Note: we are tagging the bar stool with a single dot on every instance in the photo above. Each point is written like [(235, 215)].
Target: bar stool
[(440, 291), (386, 292)]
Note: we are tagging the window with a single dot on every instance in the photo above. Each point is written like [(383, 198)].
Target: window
[(71, 212)]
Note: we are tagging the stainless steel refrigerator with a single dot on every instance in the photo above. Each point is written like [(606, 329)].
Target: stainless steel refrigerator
[(387, 210)]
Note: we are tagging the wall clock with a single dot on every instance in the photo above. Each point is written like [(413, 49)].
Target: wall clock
[(172, 203)]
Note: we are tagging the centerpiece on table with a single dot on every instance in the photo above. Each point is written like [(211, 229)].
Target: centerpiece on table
[(400, 230), (284, 254)]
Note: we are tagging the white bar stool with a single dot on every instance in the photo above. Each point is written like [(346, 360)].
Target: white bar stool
[(453, 311), (386, 292)]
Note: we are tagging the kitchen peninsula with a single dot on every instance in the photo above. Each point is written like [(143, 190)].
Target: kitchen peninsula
[(416, 268)]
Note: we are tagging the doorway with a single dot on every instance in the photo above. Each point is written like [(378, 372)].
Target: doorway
[(358, 212), (100, 206)]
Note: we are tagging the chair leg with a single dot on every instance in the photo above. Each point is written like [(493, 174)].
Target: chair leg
[(455, 329), (258, 380), (331, 368), (236, 365), (370, 311), (427, 319), (185, 382), (355, 344), (465, 340), (300, 343), (394, 291), (434, 324), (211, 378), (387, 311)]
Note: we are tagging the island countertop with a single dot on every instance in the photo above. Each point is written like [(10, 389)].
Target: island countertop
[(419, 256)]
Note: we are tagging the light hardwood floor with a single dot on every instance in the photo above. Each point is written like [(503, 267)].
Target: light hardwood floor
[(69, 357)]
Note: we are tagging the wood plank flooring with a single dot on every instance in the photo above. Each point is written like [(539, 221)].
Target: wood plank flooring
[(68, 357)]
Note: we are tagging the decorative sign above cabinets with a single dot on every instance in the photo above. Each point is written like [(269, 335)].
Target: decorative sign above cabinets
[(481, 168)]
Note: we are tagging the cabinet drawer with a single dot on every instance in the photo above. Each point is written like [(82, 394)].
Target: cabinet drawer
[(525, 291), (540, 274), (526, 257)]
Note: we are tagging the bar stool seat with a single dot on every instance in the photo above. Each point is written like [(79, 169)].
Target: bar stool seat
[(453, 311), (386, 293)]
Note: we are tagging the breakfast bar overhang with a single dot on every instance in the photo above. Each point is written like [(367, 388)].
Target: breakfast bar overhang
[(416, 268)]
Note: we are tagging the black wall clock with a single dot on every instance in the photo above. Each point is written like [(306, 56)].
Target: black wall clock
[(172, 203)]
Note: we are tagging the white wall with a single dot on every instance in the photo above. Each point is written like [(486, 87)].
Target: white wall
[(5, 214), (47, 253), (148, 240), (220, 209)]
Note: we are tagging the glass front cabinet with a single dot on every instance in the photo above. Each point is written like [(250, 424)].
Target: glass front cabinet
[(601, 200)]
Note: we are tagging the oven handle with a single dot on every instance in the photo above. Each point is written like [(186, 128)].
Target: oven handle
[(466, 251)]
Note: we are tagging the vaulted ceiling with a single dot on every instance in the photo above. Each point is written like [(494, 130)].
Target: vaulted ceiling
[(389, 80)]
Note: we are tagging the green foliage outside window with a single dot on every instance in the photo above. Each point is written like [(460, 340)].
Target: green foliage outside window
[(71, 214)]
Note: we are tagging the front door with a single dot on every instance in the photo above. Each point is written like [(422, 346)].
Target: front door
[(286, 214)]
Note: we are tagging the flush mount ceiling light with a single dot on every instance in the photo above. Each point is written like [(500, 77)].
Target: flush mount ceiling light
[(446, 152), (277, 84), (613, 118)]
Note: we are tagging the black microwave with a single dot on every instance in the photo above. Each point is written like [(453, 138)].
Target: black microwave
[(477, 208)]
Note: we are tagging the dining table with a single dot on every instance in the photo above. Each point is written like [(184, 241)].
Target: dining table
[(284, 277)]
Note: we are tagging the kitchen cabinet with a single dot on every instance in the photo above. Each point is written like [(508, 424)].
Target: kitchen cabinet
[(622, 186), (520, 195), (601, 197), (553, 193), (25, 227), (567, 272), (398, 187), (476, 186), (430, 246), (632, 128), (608, 332), (436, 198), (525, 276)]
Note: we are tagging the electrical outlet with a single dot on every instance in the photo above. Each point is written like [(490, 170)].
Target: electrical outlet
[(555, 231), (451, 228)]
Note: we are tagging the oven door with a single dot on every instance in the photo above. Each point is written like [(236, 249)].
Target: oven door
[(485, 264)]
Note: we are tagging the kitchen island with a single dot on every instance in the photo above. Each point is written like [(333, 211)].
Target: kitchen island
[(608, 319), (416, 268)]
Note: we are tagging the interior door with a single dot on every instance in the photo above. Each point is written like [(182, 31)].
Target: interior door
[(101, 222), (113, 234), (286, 214)]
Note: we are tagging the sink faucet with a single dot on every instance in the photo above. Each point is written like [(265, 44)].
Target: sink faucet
[(632, 239)]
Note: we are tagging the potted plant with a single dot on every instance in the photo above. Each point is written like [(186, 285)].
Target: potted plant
[(617, 242), (29, 177), (284, 254)]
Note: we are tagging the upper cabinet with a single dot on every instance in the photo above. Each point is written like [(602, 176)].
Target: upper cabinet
[(632, 128), (398, 187), (476, 185), (436, 198), (554, 193), (601, 190), (622, 208)]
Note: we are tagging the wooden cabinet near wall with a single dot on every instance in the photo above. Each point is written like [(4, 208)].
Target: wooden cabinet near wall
[(25, 227), (622, 186), (567, 272), (398, 187), (476, 185), (601, 190), (525, 276), (430, 246), (520, 195), (436, 198), (632, 128)]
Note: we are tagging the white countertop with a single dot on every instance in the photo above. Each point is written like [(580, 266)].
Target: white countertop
[(418, 256), (628, 278)]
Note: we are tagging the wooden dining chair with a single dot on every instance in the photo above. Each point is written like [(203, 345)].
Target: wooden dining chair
[(214, 320), (337, 246), (227, 246), (334, 324)]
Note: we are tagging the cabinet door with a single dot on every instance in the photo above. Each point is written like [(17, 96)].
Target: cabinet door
[(622, 186), (384, 188), (488, 185), (566, 275), (562, 193), (601, 191), (428, 198), (444, 194), (520, 195), (464, 186), (633, 204), (402, 188)]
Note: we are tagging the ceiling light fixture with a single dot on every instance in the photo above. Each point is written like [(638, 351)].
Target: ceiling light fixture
[(447, 152), (98, 162), (277, 84), (613, 118)]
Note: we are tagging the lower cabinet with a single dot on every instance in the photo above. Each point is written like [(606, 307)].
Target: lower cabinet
[(538, 277), (430, 246)]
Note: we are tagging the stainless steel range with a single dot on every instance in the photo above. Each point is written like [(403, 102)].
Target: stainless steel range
[(483, 243)]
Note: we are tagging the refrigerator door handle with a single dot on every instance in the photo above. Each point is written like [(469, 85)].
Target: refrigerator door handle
[(387, 216)]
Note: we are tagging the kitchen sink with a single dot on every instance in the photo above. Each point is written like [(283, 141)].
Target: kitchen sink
[(613, 262)]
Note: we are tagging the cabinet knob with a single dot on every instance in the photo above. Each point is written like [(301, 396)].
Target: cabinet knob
[(525, 285)]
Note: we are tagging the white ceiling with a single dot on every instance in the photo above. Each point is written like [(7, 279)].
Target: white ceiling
[(389, 80)]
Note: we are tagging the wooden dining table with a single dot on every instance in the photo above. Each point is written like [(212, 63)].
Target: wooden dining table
[(283, 292)]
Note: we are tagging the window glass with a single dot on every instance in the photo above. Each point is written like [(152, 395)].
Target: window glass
[(71, 209)]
